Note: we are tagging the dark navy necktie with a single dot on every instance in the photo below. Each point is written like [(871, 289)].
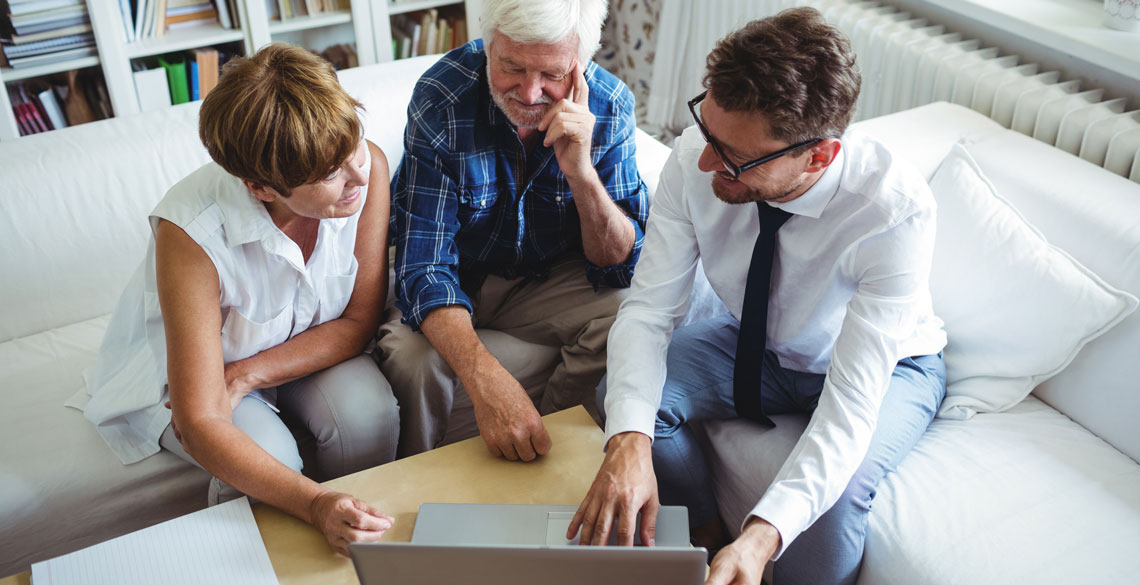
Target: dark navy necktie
[(754, 317)]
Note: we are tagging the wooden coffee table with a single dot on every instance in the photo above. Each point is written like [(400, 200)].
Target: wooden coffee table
[(464, 473)]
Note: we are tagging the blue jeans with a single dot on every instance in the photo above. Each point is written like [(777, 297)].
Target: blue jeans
[(699, 388)]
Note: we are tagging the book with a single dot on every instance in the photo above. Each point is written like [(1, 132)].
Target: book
[(125, 14), (195, 90), (206, 62), (49, 45), (159, 18), (427, 32), (52, 57), (50, 105), (152, 89), (51, 34), (175, 67), (21, 8), (210, 15), (48, 16), (224, 14), (234, 12)]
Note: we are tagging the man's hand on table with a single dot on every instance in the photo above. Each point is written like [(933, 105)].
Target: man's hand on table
[(508, 421), (742, 562), (344, 519), (624, 486)]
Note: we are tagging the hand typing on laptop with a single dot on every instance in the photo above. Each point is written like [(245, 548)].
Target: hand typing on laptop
[(625, 485)]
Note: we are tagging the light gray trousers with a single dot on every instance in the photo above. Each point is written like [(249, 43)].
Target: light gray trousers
[(345, 419), (526, 324)]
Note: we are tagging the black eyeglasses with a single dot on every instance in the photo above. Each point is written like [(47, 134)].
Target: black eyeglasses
[(733, 169)]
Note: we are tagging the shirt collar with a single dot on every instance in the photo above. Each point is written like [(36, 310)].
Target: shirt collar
[(814, 200)]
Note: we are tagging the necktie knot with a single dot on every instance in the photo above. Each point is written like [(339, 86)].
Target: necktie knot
[(771, 218)]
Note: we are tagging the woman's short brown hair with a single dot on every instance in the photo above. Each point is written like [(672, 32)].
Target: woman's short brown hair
[(279, 118), (794, 68)]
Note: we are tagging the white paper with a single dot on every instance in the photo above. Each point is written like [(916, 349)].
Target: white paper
[(219, 545)]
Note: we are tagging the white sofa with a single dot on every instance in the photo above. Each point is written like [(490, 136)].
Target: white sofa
[(73, 205)]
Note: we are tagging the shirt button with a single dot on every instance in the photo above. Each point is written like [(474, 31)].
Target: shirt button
[(558, 198), (482, 204)]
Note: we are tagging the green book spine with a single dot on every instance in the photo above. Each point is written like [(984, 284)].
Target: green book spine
[(175, 66)]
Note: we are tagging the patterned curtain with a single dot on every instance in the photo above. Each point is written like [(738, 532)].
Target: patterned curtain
[(628, 46), (658, 47)]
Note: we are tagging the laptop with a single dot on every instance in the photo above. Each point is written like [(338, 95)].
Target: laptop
[(506, 544)]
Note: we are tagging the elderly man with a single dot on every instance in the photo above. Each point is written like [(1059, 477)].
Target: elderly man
[(518, 214), (820, 243)]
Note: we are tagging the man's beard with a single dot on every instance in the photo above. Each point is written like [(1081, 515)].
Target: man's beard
[(519, 117), (750, 195)]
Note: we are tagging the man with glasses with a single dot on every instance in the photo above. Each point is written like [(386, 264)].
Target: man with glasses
[(820, 243)]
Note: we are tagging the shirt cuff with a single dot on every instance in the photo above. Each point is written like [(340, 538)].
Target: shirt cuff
[(629, 414), (787, 511), (430, 298), (619, 275)]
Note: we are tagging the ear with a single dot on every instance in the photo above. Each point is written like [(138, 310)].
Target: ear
[(262, 192), (822, 154)]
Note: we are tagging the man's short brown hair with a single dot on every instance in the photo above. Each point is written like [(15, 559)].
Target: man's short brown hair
[(279, 118), (794, 68)]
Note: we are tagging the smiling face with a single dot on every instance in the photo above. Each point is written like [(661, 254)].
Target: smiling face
[(526, 78), (337, 195), (745, 136)]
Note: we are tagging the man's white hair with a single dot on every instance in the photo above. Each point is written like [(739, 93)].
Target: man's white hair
[(546, 21)]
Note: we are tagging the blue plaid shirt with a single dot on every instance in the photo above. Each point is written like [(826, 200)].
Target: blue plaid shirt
[(468, 199)]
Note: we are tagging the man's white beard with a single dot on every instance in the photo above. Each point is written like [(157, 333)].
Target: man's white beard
[(520, 118)]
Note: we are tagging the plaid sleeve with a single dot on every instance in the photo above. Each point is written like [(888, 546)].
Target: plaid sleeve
[(617, 169), (424, 209)]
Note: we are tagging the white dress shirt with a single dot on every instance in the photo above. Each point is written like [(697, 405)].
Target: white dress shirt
[(268, 295), (850, 298)]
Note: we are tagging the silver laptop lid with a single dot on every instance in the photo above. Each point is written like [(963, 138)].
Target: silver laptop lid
[(381, 563), (515, 524)]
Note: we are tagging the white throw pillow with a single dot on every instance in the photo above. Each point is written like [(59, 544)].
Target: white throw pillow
[(1017, 309)]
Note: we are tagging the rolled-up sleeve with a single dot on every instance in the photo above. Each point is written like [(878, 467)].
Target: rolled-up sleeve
[(617, 170), (425, 221)]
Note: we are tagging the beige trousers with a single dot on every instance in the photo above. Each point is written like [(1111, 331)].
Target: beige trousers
[(550, 335)]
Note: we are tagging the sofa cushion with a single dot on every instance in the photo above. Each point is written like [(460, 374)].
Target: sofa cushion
[(1021, 496), (1093, 215), (61, 488), (1017, 310), (74, 212)]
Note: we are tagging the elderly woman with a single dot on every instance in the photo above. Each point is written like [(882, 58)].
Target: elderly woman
[(246, 322)]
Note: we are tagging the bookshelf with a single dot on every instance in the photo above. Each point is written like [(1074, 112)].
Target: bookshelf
[(366, 24), (384, 10)]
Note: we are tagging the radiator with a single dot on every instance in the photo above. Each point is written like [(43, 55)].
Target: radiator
[(907, 62)]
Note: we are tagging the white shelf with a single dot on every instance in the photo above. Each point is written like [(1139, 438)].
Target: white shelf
[(310, 22), (180, 39), (404, 7), (10, 75)]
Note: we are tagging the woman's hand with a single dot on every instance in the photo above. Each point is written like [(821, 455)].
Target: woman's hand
[(344, 519), (238, 382)]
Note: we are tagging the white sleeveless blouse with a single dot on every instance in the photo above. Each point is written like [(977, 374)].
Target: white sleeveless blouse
[(268, 295)]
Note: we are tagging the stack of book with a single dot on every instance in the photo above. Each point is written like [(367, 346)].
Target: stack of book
[(145, 19), (41, 105), (39, 32), (178, 78), (286, 9), (426, 33)]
